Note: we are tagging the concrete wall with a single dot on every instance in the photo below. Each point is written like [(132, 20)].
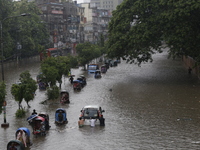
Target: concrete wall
[(15, 63)]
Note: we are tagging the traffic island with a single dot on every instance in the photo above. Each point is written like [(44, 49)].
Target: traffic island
[(5, 125)]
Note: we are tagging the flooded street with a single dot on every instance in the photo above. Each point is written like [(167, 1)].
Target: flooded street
[(155, 106)]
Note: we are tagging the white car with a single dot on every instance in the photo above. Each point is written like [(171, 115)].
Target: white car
[(91, 111)]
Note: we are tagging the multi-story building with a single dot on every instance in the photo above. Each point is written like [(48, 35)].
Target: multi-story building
[(70, 23), (64, 21), (53, 16), (75, 21), (96, 22), (106, 4)]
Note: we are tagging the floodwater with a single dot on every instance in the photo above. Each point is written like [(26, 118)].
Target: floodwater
[(155, 106)]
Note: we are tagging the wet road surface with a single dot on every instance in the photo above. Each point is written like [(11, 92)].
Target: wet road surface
[(155, 106)]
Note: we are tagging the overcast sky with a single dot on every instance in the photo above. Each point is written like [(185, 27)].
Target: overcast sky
[(81, 1)]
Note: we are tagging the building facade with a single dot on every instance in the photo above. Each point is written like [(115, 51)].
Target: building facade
[(64, 21), (70, 23), (96, 22), (106, 4)]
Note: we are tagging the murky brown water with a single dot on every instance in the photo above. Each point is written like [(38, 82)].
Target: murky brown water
[(155, 106)]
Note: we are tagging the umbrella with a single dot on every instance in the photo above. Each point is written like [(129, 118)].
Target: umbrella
[(31, 117), (40, 118)]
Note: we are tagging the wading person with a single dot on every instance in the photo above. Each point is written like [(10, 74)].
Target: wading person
[(92, 122), (102, 121), (81, 122)]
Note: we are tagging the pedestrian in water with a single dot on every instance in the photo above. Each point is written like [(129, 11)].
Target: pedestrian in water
[(81, 122), (71, 79), (34, 112), (102, 121), (92, 122)]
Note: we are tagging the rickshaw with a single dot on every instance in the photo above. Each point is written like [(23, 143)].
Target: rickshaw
[(46, 117), (82, 81), (77, 85), (97, 74), (115, 63), (61, 116), (40, 80), (107, 65), (38, 126), (15, 145), (118, 60), (103, 68), (25, 131), (42, 85), (64, 97), (30, 119)]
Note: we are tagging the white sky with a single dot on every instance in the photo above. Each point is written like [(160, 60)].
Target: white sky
[(81, 1), (78, 1)]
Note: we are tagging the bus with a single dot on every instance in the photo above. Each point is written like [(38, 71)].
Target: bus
[(92, 68), (51, 52)]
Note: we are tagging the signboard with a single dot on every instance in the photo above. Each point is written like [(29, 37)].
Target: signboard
[(56, 12)]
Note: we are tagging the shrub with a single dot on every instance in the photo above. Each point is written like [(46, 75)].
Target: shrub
[(52, 92), (20, 113)]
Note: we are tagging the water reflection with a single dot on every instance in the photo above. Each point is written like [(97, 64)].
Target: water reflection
[(155, 106)]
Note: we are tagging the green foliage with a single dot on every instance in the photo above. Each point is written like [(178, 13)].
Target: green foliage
[(102, 45), (33, 33), (73, 61), (25, 89), (52, 92), (27, 30), (53, 68), (29, 86), (20, 113), (87, 52), (6, 8), (137, 29), (101, 41), (16, 91)]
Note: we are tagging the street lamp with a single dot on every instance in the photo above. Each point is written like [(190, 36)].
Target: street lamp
[(5, 124)]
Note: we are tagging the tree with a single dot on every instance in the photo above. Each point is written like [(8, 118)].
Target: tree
[(53, 68), (5, 11), (101, 44), (28, 31), (16, 91), (33, 32), (73, 61), (87, 52), (25, 89), (138, 28), (52, 92), (29, 86)]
